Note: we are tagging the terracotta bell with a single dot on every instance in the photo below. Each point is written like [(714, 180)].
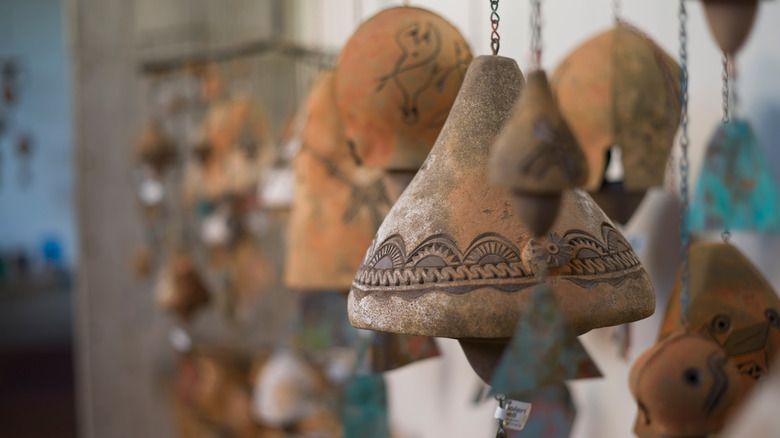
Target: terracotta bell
[(730, 22), (452, 257), (537, 157), (154, 149), (731, 303), (338, 204), (621, 89), (396, 80), (684, 387), (180, 288)]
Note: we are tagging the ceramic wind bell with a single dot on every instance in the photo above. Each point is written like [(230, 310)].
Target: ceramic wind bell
[(619, 94), (396, 80), (735, 190), (452, 258)]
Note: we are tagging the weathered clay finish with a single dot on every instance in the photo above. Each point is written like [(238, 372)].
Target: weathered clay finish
[(338, 205), (684, 387), (731, 303), (730, 22), (154, 148), (396, 80), (181, 289), (452, 259), (620, 88), (536, 152)]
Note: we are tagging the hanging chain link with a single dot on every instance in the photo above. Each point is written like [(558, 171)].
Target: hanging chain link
[(536, 33), (725, 89), (616, 10), (495, 38), (733, 89), (684, 234), (501, 432)]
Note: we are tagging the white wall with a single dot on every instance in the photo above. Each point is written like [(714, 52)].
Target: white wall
[(33, 31), (422, 405)]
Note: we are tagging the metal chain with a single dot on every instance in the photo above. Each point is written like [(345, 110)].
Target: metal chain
[(616, 10), (501, 432), (536, 33), (725, 89), (733, 89), (495, 38), (684, 234)]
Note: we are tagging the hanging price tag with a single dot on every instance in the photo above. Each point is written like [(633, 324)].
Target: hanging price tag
[(516, 415)]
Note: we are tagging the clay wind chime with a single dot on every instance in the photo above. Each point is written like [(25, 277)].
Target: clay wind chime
[(619, 94), (720, 333), (736, 190), (454, 259)]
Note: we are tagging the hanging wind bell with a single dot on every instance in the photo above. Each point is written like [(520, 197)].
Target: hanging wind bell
[(732, 304), (730, 22), (338, 204), (619, 93), (452, 259)]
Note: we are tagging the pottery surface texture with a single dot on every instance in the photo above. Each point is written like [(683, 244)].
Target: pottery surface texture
[(338, 205), (620, 88), (684, 387), (396, 80), (452, 259), (731, 303)]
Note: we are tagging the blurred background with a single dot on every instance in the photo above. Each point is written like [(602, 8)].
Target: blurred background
[(84, 349)]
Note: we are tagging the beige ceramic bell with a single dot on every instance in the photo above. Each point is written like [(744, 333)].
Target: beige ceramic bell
[(396, 79), (684, 387), (731, 303), (621, 89), (338, 205), (730, 22), (537, 157), (155, 149), (181, 289), (452, 259)]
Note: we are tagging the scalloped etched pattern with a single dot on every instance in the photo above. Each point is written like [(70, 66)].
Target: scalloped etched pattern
[(493, 257)]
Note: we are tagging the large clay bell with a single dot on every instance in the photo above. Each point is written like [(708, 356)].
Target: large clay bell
[(735, 188), (537, 157), (684, 387), (730, 22), (621, 89), (396, 80), (731, 303), (452, 258), (338, 205)]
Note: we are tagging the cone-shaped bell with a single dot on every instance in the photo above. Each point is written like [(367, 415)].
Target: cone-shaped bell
[(735, 188), (155, 149), (452, 259), (338, 205), (732, 303), (620, 88), (181, 289), (730, 22), (396, 80), (537, 157), (684, 387), (545, 350)]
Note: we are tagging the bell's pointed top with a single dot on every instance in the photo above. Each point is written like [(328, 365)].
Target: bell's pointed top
[(536, 153), (452, 259), (730, 22), (620, 88)]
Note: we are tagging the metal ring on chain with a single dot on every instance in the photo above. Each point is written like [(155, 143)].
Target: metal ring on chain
[(684, 201), (495, 38), (536, 33), (725, 89)]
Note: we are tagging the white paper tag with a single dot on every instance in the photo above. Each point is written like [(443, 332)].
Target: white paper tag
[(517, 413)]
